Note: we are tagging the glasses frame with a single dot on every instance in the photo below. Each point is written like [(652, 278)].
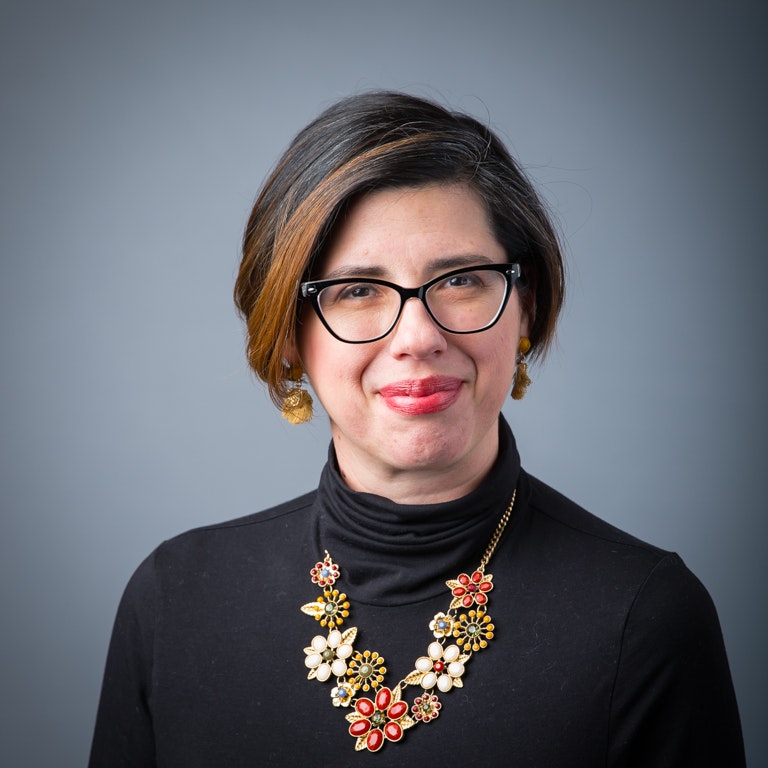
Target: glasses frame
[(312, 288)]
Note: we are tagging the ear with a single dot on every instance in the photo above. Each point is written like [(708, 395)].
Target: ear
[(290, 353), (527, 299), (526, 322), (527, 312)]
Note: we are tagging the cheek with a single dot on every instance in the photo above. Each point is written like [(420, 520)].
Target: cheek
[(335, 370), (496, 367), (501, 368), (313, 343)]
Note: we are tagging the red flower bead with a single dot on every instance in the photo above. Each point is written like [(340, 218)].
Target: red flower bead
[(365, 707), (360, 727), (378, 720), (426, 707), (375, 740), (325, 573), (383, 697), (468, 589)]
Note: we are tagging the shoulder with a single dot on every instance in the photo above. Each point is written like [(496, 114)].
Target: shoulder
[(258, 528), (671, 698), (565, 515), (577, 554), (661, 612), (579, 539), (260, 520), (205, 553)]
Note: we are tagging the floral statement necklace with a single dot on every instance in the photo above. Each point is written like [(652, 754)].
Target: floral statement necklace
[(460, 632)]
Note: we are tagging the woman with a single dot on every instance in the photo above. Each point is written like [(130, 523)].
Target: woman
[(431, 601)]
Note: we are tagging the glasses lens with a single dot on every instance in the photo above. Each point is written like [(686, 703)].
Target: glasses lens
[(469, 301), (359, 311)]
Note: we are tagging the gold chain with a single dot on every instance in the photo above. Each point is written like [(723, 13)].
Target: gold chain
[(491, 548)]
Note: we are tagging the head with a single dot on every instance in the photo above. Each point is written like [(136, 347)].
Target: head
[(366, 143)]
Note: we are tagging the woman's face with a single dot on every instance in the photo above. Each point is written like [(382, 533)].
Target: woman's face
[(414, 416)]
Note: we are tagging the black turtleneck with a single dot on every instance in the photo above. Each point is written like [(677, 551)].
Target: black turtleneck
[(607, 651), (399, 554)]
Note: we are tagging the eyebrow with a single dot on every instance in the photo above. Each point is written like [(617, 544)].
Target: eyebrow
[(435, 266)]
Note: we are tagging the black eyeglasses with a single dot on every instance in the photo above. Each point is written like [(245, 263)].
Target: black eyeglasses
[(467, 300)]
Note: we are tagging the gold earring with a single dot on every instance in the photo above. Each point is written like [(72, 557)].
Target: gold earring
[(297, 405), (522, 380)]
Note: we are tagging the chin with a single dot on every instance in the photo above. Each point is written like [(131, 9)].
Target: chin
[(428, 447)]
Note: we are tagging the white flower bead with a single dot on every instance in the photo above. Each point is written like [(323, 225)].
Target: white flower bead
[(435, 650), (445, 683), (423, 664), (451, 653), (327, 655), (429, 680), (318, 643), (455, 669)]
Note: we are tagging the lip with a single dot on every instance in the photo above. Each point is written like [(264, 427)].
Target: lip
[(415, 397)]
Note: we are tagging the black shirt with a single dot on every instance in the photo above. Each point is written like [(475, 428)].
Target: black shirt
[(606, 651)]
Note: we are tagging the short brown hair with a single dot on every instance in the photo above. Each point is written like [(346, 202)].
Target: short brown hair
[(374, 141)]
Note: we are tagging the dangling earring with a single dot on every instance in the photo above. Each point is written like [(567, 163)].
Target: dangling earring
[(522, 380), (297, 406)]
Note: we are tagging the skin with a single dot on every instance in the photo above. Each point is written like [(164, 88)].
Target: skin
[(414, 416)]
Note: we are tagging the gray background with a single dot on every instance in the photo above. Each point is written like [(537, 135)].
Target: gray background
[(134, 138)]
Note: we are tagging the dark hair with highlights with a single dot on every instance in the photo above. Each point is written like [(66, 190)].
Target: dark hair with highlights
[(375, 141)]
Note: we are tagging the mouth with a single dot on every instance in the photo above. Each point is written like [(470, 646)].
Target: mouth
[(414, 397)]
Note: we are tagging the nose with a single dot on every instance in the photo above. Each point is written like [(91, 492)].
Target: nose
[(416, 333)]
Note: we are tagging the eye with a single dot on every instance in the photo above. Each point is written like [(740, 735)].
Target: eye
[(348, 293), (459, 281), (356, 291), (464, 280)]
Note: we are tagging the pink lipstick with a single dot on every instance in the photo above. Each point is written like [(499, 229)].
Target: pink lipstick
[(415, 397)]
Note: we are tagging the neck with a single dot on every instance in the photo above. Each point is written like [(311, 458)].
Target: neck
[(402, 553), (417, 485)]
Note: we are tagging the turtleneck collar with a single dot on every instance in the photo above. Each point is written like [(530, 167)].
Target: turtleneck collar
[(393, 554)]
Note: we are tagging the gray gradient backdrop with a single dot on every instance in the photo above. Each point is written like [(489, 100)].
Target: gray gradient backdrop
[(134, 138)]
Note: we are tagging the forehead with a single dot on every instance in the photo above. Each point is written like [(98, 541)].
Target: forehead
[(412, 232)]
